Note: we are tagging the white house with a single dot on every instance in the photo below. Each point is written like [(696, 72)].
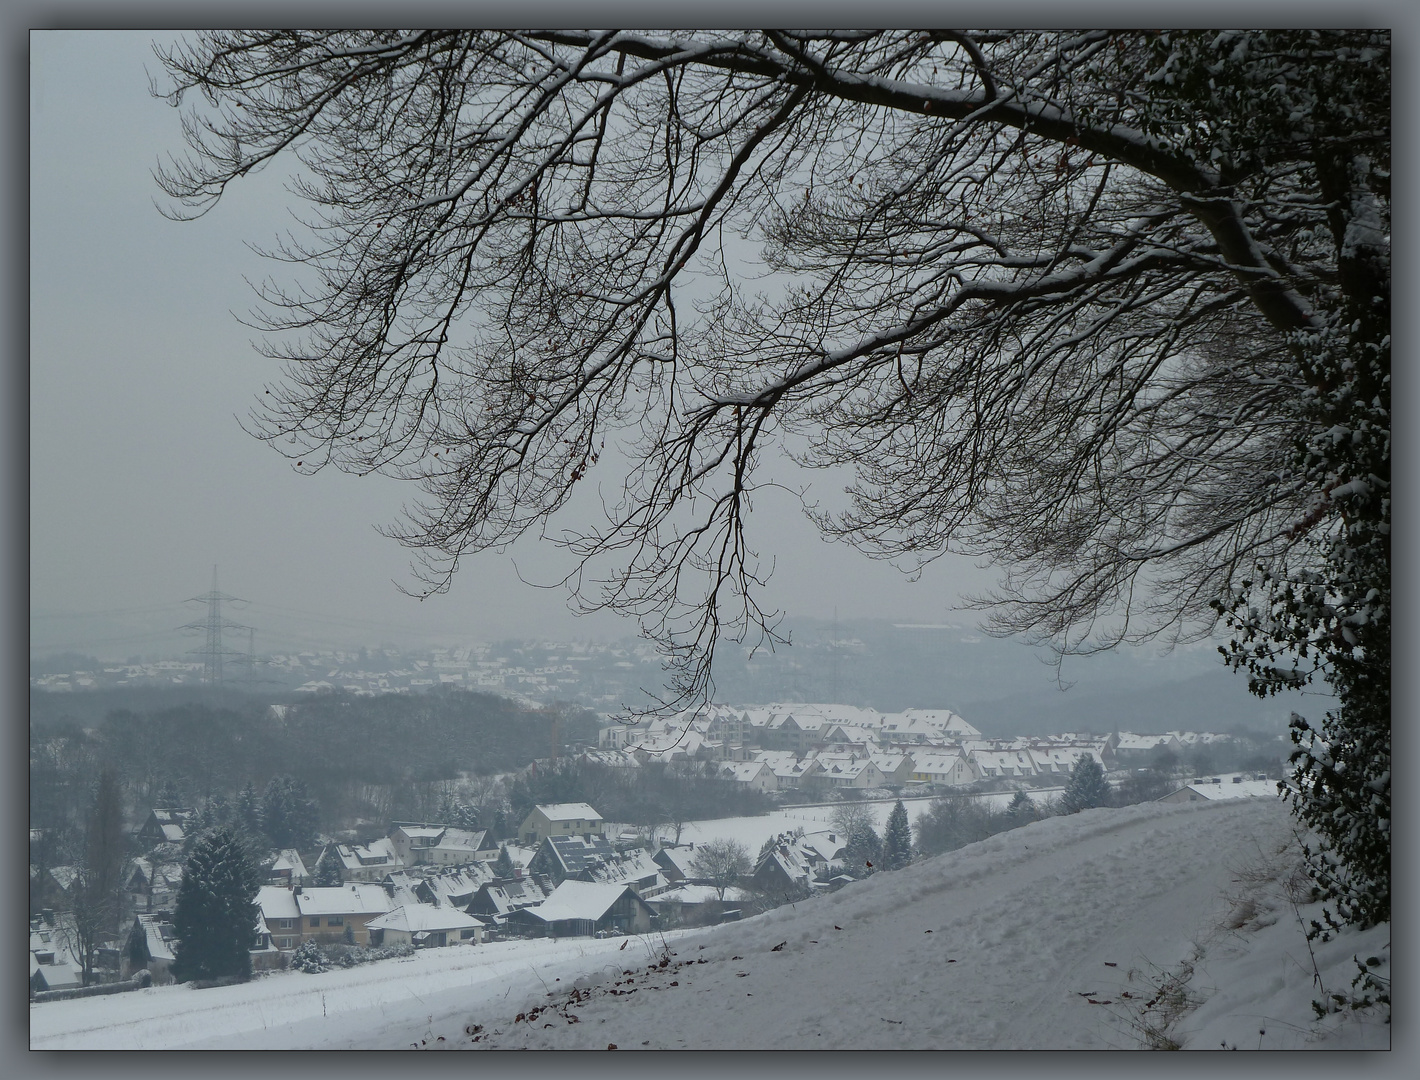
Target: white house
[(750, 775), (424, 926), (848, 770), (942, 767), (559, 819)]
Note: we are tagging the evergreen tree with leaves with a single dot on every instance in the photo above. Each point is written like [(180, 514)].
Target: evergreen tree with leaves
[(169, 795), (897, 840), (500, 827), (216, 911), (863, 854), (1022, 809), (1087, 787), (288, 816), (135, 947), (503, 866), (248, 814), (328, 869)]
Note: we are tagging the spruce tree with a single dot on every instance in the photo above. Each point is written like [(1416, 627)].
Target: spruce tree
[(216, 911), (288, 816), (1022, 809), (863, 854), (1087, 787), (328, 868), (249, 810), (897, 840), (503, 866)]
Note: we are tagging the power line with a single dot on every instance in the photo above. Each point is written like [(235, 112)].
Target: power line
[(213, 652)]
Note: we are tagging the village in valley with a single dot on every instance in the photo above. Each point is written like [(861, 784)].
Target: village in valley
[(835, 775)]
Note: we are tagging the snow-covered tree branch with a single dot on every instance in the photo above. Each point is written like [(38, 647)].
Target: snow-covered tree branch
[(1061, 300)]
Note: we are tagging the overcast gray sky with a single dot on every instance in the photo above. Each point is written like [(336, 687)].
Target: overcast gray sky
[(141, 478)]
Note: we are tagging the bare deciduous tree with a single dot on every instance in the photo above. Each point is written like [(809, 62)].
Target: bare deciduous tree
[(98, 888), (1109, 308), (1041, 313), (722, 862)]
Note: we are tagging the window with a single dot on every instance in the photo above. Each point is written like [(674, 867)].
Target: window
[(335, 920), (315, 922)]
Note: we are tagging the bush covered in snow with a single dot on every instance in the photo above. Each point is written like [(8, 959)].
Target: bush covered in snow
[(312, 957), (308, 958)]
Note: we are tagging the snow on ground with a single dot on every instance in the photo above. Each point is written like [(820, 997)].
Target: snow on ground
[(341, 1003), (754, 831), (1044, 937)]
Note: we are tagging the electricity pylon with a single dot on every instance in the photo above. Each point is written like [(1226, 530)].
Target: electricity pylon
[(213, 652)]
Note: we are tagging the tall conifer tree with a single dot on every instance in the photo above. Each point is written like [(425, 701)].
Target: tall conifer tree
[(897, 841), (216, 912)]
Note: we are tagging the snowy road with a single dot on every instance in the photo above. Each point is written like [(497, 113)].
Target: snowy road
[(998, 945)]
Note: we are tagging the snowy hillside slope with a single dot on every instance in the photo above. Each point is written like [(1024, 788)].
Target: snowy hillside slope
[(1044, 937)]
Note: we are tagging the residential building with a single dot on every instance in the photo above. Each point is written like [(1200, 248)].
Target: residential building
[(750, 775), (329, 913), (149, 946), (949, 768), (424, 926), (422, 843), (559, 819), (364, 862), (165, 825), (563, 857), (584, 908)]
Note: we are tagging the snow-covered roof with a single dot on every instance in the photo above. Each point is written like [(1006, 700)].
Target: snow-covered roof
[(376, 853), (887, 760), (831, 712), (1012, 762), (576, 854), (775, 758), (457, 888), (159, 936), (511, 895), (612, 759), (423, 919), (64, 875), (627, 867), (850, 733), (1128, 740), (928, 762), (827, 845), (465, 840), (678, 858), (743, 771), (1241, 789), (572, 811), (277, 902), (843, 766), (422, 831), (290, 859), (579, 900), (943, 720), (357, 898), (1062, 758)]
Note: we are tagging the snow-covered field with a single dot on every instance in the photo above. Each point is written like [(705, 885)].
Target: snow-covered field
[(753, 831), (1050, 936)]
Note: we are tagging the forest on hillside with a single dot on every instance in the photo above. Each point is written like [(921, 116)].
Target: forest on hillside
[(359, 758)]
